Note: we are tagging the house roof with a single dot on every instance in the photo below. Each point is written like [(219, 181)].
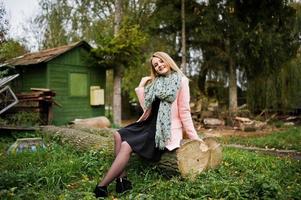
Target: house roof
[(44, 55)]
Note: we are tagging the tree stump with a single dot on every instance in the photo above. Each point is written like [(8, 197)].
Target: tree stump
[(192, 158)]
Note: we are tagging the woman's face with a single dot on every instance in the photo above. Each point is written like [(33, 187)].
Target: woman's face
[(160, 66)]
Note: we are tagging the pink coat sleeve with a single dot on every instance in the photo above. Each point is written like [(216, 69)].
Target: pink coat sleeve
[(140, 94), (184, 110)]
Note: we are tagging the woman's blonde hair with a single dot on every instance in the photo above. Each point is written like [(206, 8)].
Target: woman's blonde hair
[(168, 60)]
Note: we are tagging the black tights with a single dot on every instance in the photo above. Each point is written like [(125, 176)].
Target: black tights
[(122, 155)]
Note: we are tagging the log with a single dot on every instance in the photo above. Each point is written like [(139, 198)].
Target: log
[(246, 124), (79, 139), (213, 122), (96, 122), (192, 158), (105, 132)]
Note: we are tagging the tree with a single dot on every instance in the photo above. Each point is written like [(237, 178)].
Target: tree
[(270, 40), (125, 48), (118, 69), (253, 37), (219, 39), (53, 20), (11, 49), (99, 24), (3, 23), (183, 38)]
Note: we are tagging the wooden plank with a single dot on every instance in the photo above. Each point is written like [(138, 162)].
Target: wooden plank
[(27, 109), (40, 89), (45, 91), (28, 104), (33, 99)]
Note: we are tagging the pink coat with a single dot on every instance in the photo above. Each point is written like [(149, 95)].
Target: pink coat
[(180, 115)]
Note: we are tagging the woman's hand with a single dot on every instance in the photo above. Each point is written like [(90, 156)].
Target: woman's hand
[(144, 80)]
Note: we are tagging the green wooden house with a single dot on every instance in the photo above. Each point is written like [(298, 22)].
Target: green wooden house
[(67, 71)]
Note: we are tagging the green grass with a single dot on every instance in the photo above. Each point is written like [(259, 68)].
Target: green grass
[(60, 172), (289, 140)]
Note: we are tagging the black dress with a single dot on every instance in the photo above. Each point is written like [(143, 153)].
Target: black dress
[(141, 135)]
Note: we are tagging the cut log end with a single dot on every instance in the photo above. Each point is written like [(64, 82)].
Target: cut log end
[(192, 158)]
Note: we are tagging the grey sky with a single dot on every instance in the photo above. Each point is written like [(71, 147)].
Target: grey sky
[(19, 14)]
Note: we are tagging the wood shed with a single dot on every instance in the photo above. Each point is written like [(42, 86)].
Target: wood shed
[(71, 73)]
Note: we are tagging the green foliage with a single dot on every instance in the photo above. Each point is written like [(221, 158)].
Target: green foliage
[(272, 42), (4, 73), (53, 19), (22, 119), (165, 29), (260, 37), (269, 40), (133, 75), (11, 49), (60, 172), (124, 48), (3, 23), (57, 172), (278, 91), (289, 139)]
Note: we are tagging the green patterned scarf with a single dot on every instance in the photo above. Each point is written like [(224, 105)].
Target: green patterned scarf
[(165, 88)]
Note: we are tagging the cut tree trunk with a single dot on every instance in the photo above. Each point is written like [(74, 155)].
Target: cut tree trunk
[(192, 158), (80, 139)]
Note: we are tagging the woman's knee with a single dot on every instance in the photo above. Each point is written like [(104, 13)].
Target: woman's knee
[(126, 147), (117, 136)]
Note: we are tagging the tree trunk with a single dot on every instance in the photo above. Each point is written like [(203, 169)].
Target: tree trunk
[(81, 139), (118, 16), (117, 74), (202, 79), (183, 50), (232, 87), (232, 81), (117, 69)]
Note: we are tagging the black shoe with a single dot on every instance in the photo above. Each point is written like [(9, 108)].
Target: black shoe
[(122, 185), (101, 191)]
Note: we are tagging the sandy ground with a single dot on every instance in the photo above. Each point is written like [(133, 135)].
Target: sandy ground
[(229, 131)]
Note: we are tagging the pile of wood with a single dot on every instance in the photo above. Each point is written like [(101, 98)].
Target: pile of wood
[(205, 110), (206, 114), (39, 100), (246, 124)]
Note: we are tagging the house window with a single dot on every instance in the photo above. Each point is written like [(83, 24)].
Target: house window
[(78, 84)]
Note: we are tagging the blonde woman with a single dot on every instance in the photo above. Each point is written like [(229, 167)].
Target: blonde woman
[(164, 97)]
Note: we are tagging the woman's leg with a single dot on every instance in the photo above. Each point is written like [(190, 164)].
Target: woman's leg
[(118, 165), (118, 141)]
